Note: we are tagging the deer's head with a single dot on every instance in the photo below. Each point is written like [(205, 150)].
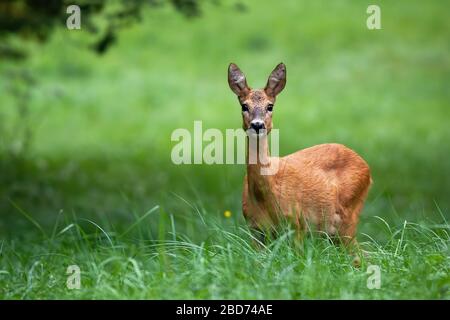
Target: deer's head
[(257, 104)]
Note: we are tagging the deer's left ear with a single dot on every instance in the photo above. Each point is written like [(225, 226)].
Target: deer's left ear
[(276, 81)]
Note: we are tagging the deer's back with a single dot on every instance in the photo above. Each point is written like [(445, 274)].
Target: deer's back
[(322, 169)]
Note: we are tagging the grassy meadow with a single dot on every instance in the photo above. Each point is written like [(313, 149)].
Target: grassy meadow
[(86, 176)]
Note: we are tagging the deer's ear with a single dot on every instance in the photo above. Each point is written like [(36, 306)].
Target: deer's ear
[(237, 81), (276, 81)]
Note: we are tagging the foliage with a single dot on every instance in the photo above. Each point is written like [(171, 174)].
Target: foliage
[(37, 18)]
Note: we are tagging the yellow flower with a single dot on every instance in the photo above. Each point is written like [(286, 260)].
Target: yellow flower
[(227, 214)]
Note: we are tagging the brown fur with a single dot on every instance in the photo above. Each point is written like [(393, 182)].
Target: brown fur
[(323, 186)]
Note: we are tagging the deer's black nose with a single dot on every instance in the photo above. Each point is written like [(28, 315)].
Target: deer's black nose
[(257, 125)]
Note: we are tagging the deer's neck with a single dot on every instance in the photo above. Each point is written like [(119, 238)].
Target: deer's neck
[(258, 158)]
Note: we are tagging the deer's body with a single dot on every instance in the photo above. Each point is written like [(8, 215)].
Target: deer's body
[(323, 186)]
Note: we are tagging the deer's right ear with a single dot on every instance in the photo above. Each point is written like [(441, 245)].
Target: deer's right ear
[(237, 81)]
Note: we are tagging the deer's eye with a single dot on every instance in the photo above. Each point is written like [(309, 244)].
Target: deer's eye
[(270, 107), (244, 107)]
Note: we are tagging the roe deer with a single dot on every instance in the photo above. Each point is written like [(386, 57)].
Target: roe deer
[(324, 186)]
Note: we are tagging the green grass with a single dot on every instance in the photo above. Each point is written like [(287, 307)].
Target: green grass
[(137, 264), (99, 154)]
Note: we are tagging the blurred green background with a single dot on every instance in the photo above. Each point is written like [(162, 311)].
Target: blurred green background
[(89, 135)]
